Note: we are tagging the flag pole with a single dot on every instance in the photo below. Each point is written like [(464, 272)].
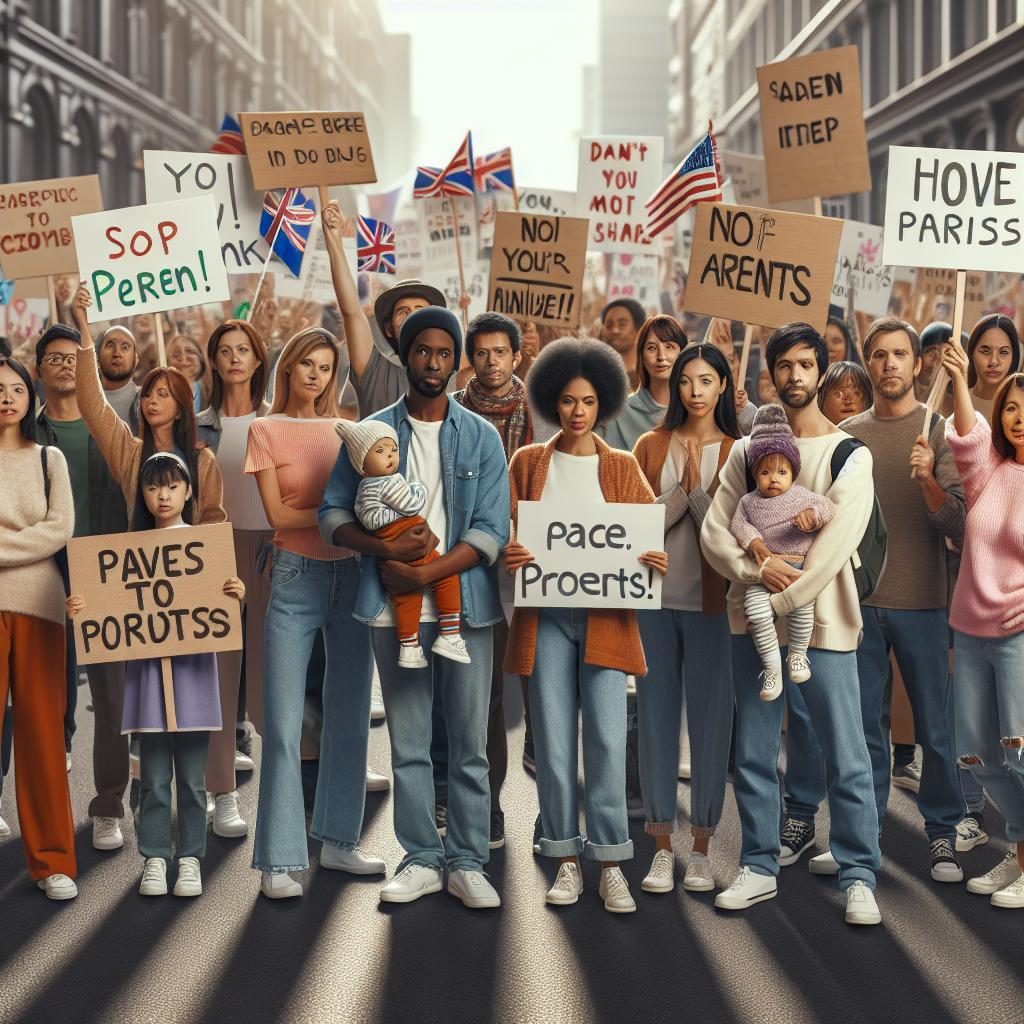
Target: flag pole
[(458, 256), (266, 263)]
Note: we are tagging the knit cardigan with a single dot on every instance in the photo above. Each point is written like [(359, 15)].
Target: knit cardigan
[(613, 637)]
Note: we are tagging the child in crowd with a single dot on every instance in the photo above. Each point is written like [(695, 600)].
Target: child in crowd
[(387, 505), (777, 517), (177, 749)]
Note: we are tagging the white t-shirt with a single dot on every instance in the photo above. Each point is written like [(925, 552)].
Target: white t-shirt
[(242, 500), (572, 477), (423, 465)]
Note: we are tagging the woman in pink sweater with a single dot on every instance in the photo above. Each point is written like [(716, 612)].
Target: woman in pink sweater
[(987, 613)]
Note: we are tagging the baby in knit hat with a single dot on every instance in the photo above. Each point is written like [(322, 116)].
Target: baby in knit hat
[(778, 518), (387, 505)]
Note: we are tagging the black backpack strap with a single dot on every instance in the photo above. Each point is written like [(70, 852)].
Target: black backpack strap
[(751, 482), (46, 475), (841, 453)]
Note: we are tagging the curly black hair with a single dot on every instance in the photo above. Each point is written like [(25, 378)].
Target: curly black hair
[(564, 360)]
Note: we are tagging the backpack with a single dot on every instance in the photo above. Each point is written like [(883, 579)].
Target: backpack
[(61, 557)]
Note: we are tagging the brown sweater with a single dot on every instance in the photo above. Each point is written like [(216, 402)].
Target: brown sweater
[(123, 450), (613, 637)]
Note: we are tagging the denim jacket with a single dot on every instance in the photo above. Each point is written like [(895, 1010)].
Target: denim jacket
[(476, 501)]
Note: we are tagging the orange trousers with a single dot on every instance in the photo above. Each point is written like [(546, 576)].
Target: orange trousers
[(408, 607), (32, 671)]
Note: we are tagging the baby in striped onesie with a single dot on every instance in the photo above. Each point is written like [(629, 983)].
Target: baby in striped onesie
[(387, 505), (780, 518)]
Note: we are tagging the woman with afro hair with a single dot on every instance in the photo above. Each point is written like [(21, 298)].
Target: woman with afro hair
[(567, 652)]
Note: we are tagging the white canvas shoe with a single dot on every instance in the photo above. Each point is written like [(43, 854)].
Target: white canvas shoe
[(698, 877), (412, 882), (375, 782), (190, 881), (823, 864), (354, 861), (411, 657), (568, 885), (771, 684), (58, 887), (1012, 897), (280, 886), (106, 834), (473, 889), (451, 647), (243, 762), (154, 877), (1003, 874), (748, 889), (227, 822), (614, 890), (861, 907), (799, 668), (661, 877)]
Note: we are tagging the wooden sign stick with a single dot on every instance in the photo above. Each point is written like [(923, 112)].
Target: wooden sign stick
[(941, 377), (458, 256), (161, 350), (167, 678), (748, 338), (266, 263), (51, 292)]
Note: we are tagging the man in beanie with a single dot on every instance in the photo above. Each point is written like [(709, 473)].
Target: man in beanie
[(459, 459), (797, 357)]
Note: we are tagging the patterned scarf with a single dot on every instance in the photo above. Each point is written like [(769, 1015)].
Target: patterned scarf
[(510, 414)]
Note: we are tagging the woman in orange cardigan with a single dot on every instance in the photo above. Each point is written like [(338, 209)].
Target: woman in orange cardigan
[(574, 657)]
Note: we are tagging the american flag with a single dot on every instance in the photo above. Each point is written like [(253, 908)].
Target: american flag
[(454, 180), (493, 173), (286, 224), (695, 180), (375, 246), (230, 139)]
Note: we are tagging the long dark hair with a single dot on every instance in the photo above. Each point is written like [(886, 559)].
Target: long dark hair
[(986, 323), (161, 468), (725, 411), (258, 381), (28, 421)]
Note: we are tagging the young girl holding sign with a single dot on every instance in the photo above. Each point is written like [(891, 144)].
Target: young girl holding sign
[(579, 658), (170, 748)]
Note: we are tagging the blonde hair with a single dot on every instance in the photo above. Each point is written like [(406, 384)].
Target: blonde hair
[(298, 347)]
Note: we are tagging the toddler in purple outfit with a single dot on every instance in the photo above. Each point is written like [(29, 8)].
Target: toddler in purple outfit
[(781, 518)]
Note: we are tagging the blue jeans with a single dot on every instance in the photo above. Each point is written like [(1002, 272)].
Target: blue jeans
[(557, 670), (686, 652), (308, 595), (989, 706), (409, 699), (832, 699)]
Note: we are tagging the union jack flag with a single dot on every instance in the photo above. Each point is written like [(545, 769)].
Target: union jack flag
[(375, 246), (454, 180), (695, 180), (493, 173), (230, 139), (286, 224)]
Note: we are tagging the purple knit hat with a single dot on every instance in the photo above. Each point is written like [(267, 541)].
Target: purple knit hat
[(772, 435)]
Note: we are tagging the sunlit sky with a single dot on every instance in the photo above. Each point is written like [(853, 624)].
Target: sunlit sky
[(510, 70)]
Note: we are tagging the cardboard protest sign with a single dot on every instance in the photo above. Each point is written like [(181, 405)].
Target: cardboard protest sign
[(859, 267), (761, 266), (307, 147), (144, 259), (812, 124), (635, 277), (551, 201), (154, 594), (35, 224), (537, 268), (934, 290), (172, 175), (617, 175), (955, 208), (588, 556)]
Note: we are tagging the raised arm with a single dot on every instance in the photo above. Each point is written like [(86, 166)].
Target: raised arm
[(357, 327)]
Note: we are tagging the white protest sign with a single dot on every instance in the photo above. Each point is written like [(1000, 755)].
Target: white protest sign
[(446, 279), (550, 201), (587, 555), (859, 266), (145, 259), (954, 208), (315, 283), (171, 175), (635, 277), (437, 230)]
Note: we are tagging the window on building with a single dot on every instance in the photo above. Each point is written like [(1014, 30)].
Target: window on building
[(39, 147), (180, 63), (116, 178), (154, 43), (931, 37), (881, 62), (85, 154), (1006, 13), (907, 29), (47, 13), (87, 27), (969, 25)]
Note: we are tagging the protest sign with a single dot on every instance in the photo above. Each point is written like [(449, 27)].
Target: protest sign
[(537, 268), (307, 147), (552, 201), (446, 279), (635, 277), (812, 124), (154, 594), (437, 229), (761, 266), (859, 268), (617, 175), (144, 259), (960, 209), (747, 179), (587, 556), (316, 282), (35, 224), (934, 291), (172, 175)]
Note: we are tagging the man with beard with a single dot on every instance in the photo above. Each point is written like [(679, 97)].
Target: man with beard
[(797, 357), (99, 509), (118, 358), (459, 458)]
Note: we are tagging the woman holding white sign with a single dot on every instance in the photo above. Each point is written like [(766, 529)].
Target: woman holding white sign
[(687, 642), (571, 654)]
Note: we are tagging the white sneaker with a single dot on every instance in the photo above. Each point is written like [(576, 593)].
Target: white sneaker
[(969, 834), (451, 647), (568, 885), (661, 877), (748, 889), (354, 861), (377, 711), (58, 887), (211, 807), (1012, 897), (376, 783), (473, 889), (227, 822), (771, 684), (412, 882), (67, 761), (5, 829), (799, 668), (823, 864), (106, 834), (861, 907), (190, 881), (154, 877), (1002, 875), (685, 770), (411, 657), (614, 890), (698, 877), (243, 762), (280, 886)]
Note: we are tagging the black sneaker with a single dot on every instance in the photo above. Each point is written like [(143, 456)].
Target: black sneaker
[(497, 839), (945, 866), (441, 819), (795, 837), (243, 741)]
